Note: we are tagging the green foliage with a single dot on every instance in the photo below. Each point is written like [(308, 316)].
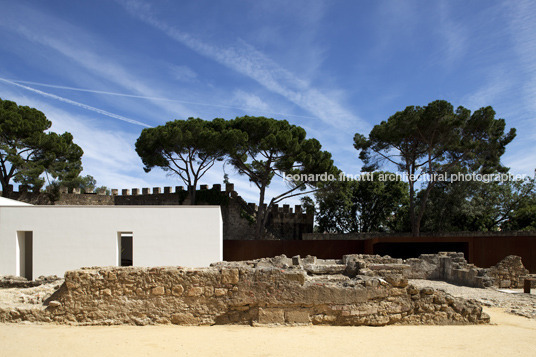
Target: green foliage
[(308, 204), (480, 206), (86, 184), (212, 197), (518, 210), (369, 205), (434, 139), (272, 148), (27, 151), (186, 148), (523, 219)]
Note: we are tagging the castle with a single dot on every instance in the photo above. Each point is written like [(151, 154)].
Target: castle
[(284, 222)]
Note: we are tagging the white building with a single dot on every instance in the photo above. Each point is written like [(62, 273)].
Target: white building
[(47, 240)]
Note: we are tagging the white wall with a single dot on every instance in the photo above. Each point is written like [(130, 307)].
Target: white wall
[(70, 237)]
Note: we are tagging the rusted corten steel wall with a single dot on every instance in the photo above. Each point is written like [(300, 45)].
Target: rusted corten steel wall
[(235, 250), (483, 251)]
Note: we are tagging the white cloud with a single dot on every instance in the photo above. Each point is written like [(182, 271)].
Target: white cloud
[(78, 104), (109, 156), (454, 35), (86, 51), (491, 92), (524, 164), (249, 101), (245, 59), (183, 73), (523, 13)]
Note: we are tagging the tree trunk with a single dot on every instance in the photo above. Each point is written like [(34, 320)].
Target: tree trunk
[(191, 194), (422, 208), (415, 226), (5, 187), (259, 230)]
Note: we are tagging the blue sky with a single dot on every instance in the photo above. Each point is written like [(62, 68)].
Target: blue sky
[(103, 70)]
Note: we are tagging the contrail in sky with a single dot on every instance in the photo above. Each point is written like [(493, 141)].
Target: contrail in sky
[(151, 98), (78, 104)]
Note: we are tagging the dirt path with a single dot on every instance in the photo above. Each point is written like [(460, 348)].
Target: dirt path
[(509, 335)]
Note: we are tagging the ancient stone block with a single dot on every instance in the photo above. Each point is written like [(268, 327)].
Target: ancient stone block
[(296, 276), (159, 290), (177, 290), (505, 284), (325, 269), (220, 291), (310, 259), (397, 280), (427, 291), (195, 291), (271, 316), (397, 267), (183, 319), (364, 310), (297, 317), (230, 276), (209, 291)]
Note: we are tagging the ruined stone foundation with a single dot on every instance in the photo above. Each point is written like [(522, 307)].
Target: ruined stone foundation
[(253, 293)]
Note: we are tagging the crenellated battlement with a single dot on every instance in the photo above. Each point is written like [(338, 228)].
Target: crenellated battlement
[(167, 190), (284, 222)]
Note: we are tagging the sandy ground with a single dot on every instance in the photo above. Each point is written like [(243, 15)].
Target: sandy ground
[(508, 335)]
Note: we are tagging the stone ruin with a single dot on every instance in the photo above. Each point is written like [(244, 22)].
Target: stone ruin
[(11, 281), (356, 290), (508, 273), (453, 268)]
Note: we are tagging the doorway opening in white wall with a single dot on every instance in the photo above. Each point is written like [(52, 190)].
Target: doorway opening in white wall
[(25, 254), (124, 245)]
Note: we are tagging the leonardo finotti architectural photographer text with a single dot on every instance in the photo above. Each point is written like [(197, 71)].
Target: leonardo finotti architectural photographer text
[(387, 176)]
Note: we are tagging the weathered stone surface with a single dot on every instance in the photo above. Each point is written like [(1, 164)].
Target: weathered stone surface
[(177, 290), (357, 290), (447, 266), (220, 292), (196, 291), (230, 276), (328, 269), (509, 272), (183, 319), (298, 317), (271, 316), (11, 281), (244, 294), (159, 290)]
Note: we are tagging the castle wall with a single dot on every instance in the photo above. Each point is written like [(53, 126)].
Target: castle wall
[(284, 222)]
